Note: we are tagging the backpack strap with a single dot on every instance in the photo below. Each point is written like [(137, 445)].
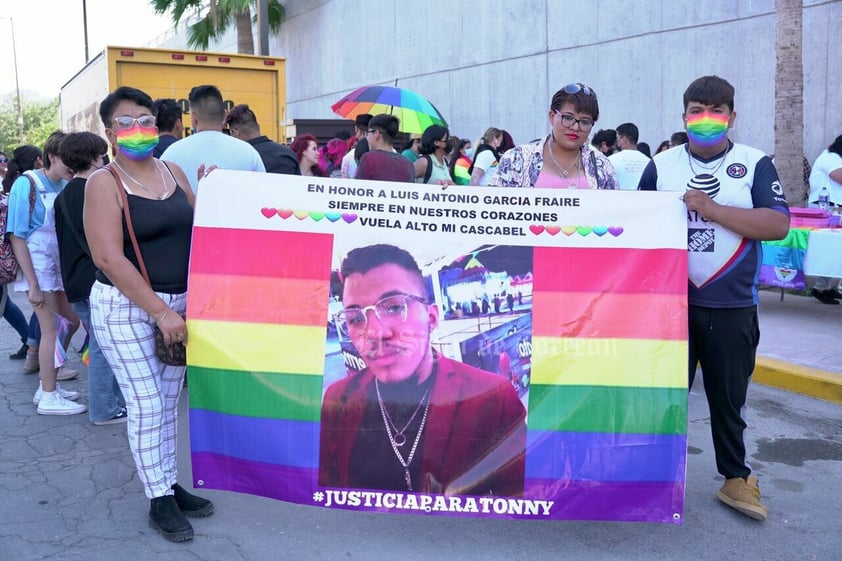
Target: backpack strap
[(429, 172)]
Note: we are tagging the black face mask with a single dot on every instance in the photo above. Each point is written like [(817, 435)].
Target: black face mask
[(448, 146)]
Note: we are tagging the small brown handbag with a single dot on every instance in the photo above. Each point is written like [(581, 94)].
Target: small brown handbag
[(174, 354)]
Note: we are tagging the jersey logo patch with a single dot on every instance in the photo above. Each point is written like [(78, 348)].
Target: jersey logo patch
[(706, 183), (777, 188), (736, 171)]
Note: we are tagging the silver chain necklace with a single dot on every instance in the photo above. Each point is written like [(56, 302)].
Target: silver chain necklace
[(712, 172), (142, 186), (564, 172), (393, 439)]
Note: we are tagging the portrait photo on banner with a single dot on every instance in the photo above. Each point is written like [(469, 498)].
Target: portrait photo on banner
[(427, 368)]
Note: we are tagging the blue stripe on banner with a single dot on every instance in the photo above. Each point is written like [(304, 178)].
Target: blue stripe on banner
[(577, 456), (273, 441)]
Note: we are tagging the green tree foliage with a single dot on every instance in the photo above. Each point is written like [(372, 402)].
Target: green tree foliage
[(219, 18), (40, 119)]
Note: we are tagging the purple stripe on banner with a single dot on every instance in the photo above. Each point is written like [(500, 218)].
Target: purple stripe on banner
[(272, 441), (283, 483), (559, 500), (575, 456), (607, 500)]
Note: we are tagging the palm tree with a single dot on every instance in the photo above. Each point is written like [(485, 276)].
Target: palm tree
[(218, 20), (789, 99)]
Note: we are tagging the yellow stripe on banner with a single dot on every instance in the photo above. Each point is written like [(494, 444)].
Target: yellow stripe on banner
[(609, 362), (256, 347)]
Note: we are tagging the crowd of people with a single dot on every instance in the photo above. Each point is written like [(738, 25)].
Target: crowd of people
[(72, 217)]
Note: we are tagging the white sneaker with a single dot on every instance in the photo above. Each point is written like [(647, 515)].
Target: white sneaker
[(53, 404), (66, 374), (66, 394)]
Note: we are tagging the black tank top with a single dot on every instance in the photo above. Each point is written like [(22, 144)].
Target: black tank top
[(163, 229)]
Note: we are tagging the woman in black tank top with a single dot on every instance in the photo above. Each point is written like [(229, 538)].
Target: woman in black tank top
[(125, 308)]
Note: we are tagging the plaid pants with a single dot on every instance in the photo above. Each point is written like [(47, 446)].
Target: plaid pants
[(125, 333)]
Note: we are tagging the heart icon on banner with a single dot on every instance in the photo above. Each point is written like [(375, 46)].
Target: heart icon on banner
[(333, 216), (615, 230), (584, 230), (552, 229), (316, 215), (600, 230), (349, 217), (284, 213), (302, 214), (568, 230), (268, 212), (536, 229)]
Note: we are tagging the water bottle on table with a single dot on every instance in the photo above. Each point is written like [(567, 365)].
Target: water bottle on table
[(824, 199)]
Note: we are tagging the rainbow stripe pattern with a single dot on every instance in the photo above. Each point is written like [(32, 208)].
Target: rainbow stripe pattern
[(609, 340), (460, 171), (137, 142), (707, 129), (607, 390)]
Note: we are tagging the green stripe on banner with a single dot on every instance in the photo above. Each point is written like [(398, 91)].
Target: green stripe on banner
[(796, 238), (256, 394), (608, 409)]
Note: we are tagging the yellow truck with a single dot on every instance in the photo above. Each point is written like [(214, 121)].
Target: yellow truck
[(258, 81)]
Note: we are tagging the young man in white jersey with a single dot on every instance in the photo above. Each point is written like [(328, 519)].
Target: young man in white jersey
[(734, 200)]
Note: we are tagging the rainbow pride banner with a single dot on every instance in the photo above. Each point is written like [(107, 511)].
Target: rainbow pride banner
[(565, 310)]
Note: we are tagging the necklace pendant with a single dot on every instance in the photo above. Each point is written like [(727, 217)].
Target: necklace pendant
[(408, 479), (399, 439)]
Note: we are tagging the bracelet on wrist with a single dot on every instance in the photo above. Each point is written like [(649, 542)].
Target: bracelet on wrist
[(160, 319)]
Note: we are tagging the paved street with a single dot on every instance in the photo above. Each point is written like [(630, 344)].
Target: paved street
[(69, 493)]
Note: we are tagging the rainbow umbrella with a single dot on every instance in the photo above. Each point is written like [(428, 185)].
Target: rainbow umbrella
[(460, 171), (413, 110)]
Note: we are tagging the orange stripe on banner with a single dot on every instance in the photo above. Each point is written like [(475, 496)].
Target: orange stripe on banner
[(258, 299), (575, 269), (265, 253), (609, 315)]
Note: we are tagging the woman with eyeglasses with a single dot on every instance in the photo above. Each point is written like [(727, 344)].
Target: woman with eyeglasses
[(125, 308), (432, 167), (563, 159), (35, 180)]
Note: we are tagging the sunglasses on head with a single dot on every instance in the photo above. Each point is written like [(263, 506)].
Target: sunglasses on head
[(576, 87)]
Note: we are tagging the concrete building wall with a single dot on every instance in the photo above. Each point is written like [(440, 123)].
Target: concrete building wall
[(497, 63)]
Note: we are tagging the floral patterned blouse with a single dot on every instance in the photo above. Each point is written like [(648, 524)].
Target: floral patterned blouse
[(520, 167)]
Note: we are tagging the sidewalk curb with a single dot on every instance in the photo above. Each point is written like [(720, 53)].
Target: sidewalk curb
[(799, 379)]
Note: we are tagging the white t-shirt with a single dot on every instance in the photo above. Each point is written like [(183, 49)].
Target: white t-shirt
[(629, 166), (487, 163), (212, 148), (820, 177)]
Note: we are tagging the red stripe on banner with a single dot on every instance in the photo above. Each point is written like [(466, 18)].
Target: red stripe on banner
[(265, 253), (258, 299), (642, 271), (610, 315)]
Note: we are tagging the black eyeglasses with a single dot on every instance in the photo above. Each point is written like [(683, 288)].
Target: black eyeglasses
[(569, 120), (576, 87)]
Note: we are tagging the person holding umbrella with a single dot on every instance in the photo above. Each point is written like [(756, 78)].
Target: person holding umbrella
[(381, 162)]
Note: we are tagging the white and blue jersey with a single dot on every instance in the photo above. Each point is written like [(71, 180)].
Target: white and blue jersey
[(723, 265)]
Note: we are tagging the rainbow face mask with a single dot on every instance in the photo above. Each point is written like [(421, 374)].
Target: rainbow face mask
[(707, 129), (137, 143)]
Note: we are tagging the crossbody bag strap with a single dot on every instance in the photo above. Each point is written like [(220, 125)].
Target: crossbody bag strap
[(129, 226)]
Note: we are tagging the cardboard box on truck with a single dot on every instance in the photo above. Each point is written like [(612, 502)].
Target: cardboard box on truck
[(258, 81)]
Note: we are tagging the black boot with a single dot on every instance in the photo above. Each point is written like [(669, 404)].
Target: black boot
[(190, 504), (165, 517), (21, 354)]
